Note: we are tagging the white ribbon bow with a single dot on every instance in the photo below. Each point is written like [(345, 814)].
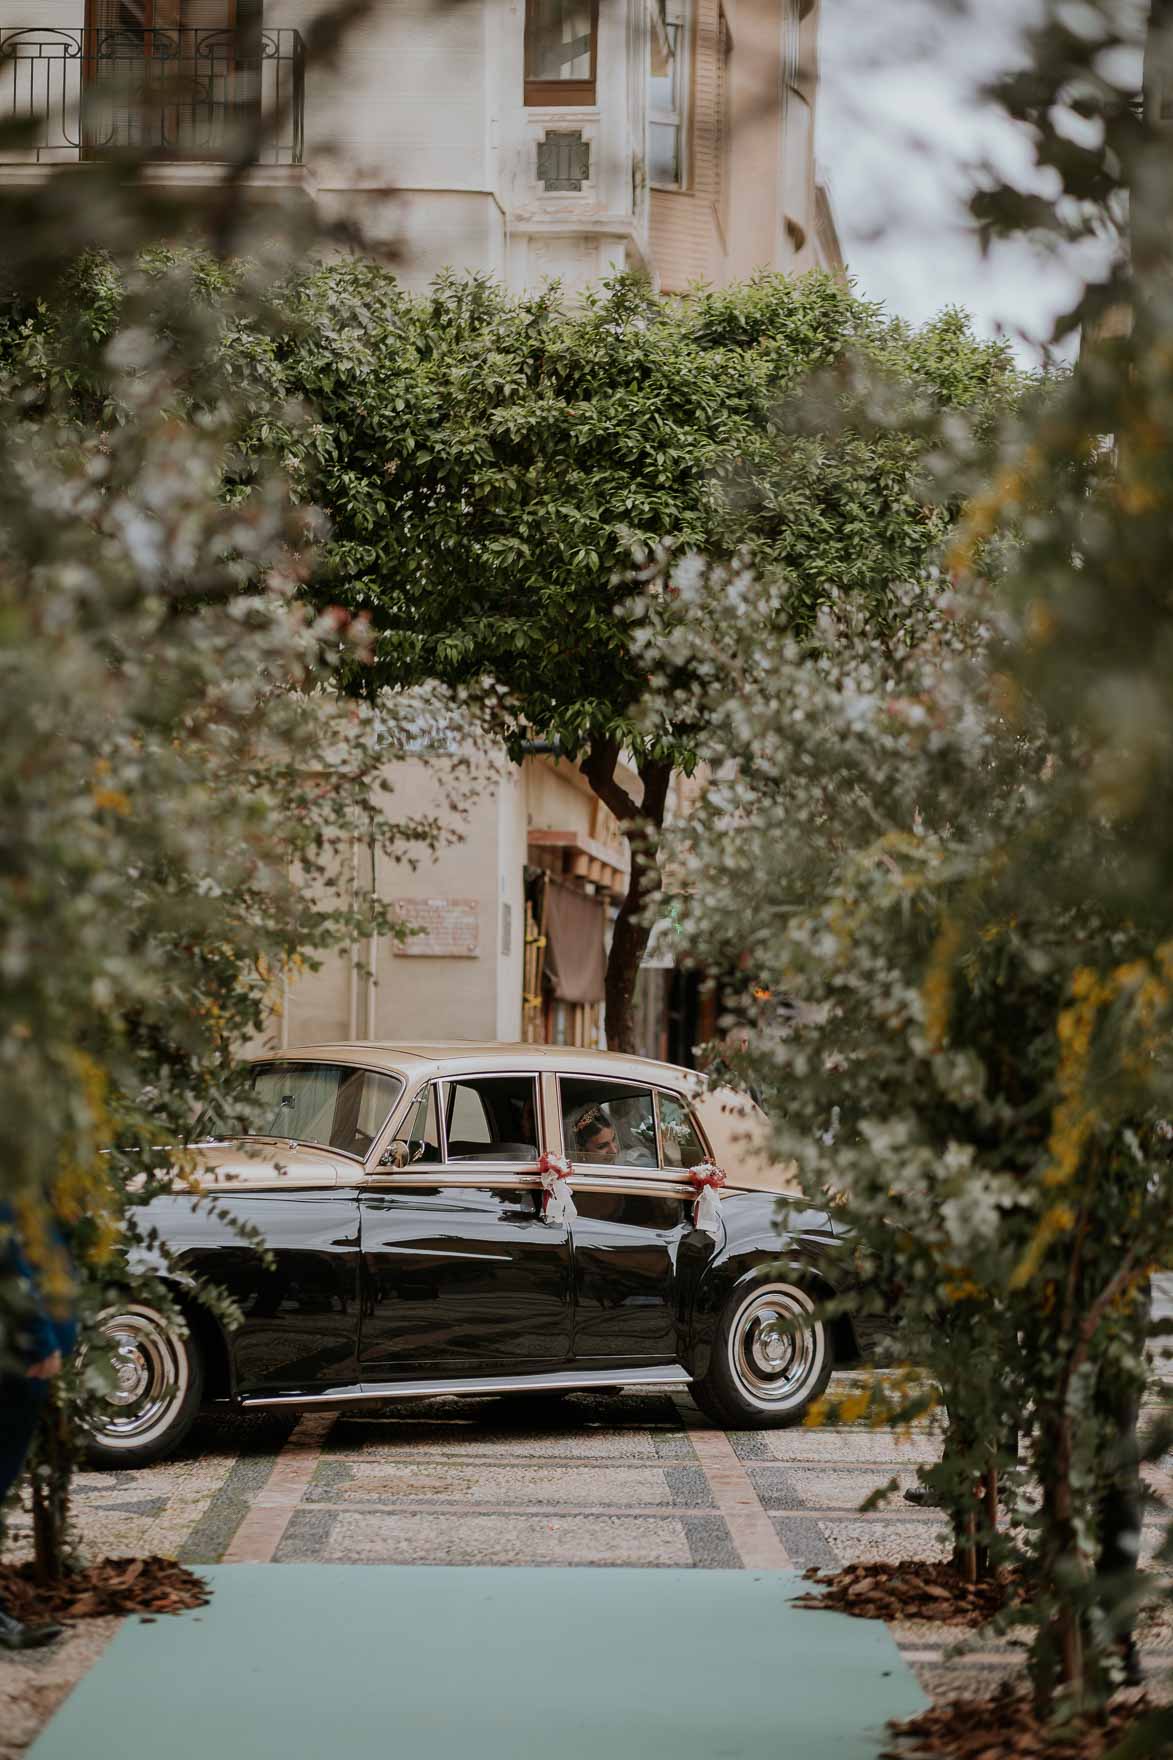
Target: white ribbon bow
[(557, 1204), (706, 1211)]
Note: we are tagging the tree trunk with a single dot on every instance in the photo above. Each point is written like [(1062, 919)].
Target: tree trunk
[(1058, 1661), (965, 1559), (629, 939), (51, 1475), (987, 1499)]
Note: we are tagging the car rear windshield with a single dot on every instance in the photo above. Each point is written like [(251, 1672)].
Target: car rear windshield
[(327, 1105)]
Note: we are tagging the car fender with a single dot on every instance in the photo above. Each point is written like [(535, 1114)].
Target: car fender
[(147, 1259), (764, 1230)]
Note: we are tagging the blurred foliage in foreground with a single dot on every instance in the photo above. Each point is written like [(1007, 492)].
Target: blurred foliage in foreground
[(944, 864), (184, 789)]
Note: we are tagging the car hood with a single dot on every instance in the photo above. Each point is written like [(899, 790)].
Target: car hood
[(253, 1163)]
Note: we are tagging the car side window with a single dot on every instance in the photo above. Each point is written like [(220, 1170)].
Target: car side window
[(493, 1118), (608, 1124), (680, 1141)]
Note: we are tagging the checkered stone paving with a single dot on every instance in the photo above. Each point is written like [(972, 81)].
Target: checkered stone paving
[(638, 1480)]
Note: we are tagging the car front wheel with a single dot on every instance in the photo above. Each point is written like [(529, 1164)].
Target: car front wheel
[(157, 1391), (770, 1359)]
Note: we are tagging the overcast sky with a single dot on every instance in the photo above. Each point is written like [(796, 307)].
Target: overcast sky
[(900, 129)]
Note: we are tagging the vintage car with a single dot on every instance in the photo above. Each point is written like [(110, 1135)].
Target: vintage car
[(480, 1219)]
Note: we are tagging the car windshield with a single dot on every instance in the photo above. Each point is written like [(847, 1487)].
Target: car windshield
[(327, 1105)]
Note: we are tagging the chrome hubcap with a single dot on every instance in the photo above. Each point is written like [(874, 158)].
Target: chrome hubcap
[(774, 1359), (151, 1378), (132, 1372)]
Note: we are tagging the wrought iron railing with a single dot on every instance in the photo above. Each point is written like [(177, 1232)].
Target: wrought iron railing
[(170, 94)]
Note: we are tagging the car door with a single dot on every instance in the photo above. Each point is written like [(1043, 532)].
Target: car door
[(461, 1274), (635, 1248)]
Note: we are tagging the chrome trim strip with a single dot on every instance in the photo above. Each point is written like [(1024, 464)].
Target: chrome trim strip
[(243, 1188), (426, 1251), (626, 1182), (585, 1179), (667, 1375), (421, 1179)]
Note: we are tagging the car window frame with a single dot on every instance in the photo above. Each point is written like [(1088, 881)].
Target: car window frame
[(454, 1079), (446, 1167), (596, 1168)]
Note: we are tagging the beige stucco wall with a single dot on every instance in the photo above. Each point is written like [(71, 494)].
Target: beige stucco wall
[(398, 992), (557, 796), (46, 14), (404, 105)]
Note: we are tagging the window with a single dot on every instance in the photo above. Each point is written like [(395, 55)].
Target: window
[(328, 1104), (561, 50), (668, 95), (608, 1124), (174, 79), (681, 1142), (171, 15), (492, 1118), (797, 133)]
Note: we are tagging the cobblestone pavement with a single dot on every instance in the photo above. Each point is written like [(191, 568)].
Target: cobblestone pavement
[(640, 1479)]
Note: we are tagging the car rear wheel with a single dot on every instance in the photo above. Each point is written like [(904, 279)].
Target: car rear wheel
[(157, 1392), (770, 1359)]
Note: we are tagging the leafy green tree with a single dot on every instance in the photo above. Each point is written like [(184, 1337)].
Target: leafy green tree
[(497, 471)]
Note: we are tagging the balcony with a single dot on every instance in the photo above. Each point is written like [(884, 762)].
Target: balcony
[(185, 95)]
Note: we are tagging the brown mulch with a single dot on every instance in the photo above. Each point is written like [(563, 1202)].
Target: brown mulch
[(1004, 1727), (909, 1591), (114, 1585)]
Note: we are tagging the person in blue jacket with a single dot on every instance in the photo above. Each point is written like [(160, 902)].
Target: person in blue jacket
[(34, 1343)]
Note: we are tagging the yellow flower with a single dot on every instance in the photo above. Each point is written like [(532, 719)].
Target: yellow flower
[(937, 987)]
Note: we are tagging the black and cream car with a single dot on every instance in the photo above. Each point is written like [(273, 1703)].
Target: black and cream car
[(480, 1219)]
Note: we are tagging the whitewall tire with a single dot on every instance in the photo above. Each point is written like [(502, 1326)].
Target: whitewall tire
[(158, 1390), (770, 1359)]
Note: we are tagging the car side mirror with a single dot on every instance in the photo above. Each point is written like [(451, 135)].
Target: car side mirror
[(396, 1154)]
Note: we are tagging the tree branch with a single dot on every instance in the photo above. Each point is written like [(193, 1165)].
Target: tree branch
[(599, 769)]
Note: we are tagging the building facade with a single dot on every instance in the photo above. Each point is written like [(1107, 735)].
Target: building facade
[(523, 139)]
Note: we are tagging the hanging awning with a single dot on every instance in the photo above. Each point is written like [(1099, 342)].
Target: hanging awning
[(575, 961), (575, 856)]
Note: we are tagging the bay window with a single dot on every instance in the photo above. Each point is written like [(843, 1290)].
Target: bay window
[(668, 97)]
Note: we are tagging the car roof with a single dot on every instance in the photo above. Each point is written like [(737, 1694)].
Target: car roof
[(408, 1058), (737, 1128)]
